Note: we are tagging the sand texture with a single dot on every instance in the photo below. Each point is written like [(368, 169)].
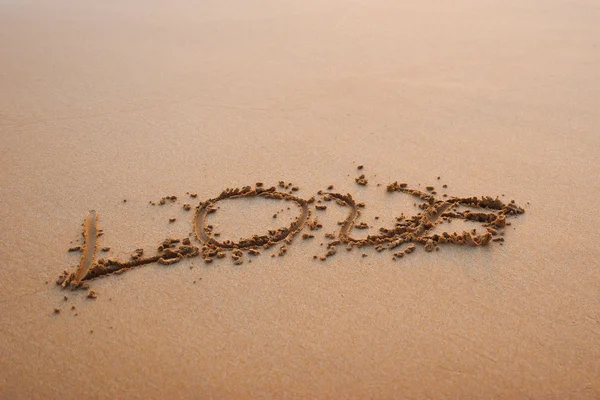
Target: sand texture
[(302, 199)]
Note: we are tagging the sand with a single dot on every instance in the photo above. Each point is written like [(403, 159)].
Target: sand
[(140, 101)]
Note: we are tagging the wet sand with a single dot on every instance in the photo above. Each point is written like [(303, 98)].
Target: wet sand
[(102, 103)]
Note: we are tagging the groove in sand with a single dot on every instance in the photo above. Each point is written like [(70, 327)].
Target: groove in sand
[(204, 208), (491, 213), (90, 243)]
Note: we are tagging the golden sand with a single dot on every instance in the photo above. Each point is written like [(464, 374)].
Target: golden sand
[(141, 101)]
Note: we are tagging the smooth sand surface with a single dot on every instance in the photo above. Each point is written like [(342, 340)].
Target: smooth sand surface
[(136, 100)]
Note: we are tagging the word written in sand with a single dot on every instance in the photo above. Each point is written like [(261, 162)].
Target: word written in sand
[(491, 213)]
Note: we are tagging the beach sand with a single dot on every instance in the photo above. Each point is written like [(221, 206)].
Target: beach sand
[(102, 102)]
